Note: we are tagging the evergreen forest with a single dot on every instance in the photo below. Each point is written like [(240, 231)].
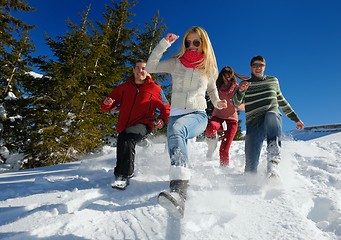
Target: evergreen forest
[(55, 118)]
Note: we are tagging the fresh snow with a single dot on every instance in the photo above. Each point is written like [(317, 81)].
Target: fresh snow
[(76, 201), (35, 75)]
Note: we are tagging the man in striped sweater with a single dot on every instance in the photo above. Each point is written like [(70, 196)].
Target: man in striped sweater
[(263, 97)]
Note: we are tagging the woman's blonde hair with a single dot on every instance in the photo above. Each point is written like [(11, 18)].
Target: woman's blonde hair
[(209, 63)]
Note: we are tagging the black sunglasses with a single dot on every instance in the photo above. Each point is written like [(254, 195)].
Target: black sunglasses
[(227, 69), (256, 65), (195, 43)]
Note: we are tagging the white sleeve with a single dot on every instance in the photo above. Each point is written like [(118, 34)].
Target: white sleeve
[(154, 65)]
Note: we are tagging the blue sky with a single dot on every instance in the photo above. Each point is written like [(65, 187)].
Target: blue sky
[(300, 40)]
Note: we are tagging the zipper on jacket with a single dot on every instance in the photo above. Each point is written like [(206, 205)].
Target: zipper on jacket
[(137, 91), (150, 101)]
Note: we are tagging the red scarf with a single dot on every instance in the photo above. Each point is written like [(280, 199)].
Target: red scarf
[(191, 59)]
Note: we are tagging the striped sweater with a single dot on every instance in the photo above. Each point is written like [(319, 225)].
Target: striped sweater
[(263, 95)]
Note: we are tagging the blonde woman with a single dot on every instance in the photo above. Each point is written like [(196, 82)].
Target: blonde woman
[(194, 71)]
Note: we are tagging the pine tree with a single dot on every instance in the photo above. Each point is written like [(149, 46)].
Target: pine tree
[(62, 97), (117, 18), (148, 37), (88, 62), (15, 46), (60, 113), (15, 61)]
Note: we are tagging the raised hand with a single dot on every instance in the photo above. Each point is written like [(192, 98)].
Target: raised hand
[(171, 37)]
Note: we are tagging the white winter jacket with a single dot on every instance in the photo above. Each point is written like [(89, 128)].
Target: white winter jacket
[(188, 85)]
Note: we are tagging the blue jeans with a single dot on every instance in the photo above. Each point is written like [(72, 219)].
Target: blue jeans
[(180, 129), (269, 128)]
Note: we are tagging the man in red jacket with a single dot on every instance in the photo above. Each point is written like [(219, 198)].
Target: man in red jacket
[(137, 100)]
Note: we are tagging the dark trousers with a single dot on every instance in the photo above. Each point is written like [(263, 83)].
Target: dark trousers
[(125, 150)]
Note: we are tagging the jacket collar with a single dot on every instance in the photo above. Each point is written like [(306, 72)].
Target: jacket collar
[(147, 80), (256, 79)]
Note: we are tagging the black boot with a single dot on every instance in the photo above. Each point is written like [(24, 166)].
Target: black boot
[(174, 201), (179, 186)]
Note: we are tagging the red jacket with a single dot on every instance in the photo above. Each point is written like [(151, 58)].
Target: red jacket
[(137, 103)]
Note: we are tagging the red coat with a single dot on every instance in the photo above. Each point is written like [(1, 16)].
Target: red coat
[(137, 103)]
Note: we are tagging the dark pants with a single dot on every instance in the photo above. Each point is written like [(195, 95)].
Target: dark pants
[(126, 143)]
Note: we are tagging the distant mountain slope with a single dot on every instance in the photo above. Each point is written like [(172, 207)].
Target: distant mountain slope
[(313, 132)]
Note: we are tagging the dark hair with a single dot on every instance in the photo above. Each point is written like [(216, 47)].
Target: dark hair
[(140, 61), (257, 58), (223, 76)]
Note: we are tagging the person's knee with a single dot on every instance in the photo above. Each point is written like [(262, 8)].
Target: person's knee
[(139, 129), (178, 129)]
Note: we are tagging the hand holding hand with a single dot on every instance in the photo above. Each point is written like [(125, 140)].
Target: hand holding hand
[(171, 37), (299, 125), (108, 101), (243, 86), (222, 104), (159, 123)]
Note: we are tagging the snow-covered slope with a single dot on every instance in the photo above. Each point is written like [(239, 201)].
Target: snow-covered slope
[(75, 201)]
